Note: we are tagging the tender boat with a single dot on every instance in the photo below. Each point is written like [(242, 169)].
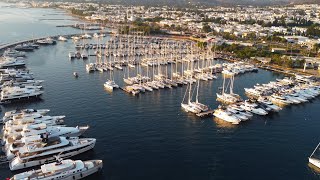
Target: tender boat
[(75, 74)]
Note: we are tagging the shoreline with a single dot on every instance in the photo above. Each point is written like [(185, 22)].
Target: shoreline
[(272, 67)]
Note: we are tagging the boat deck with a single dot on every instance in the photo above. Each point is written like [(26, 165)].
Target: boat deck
[(206, 113)]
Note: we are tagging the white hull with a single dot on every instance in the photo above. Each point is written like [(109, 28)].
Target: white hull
[(14, 165), (227, 118), (73, 174), (315, 162), (189, 108)]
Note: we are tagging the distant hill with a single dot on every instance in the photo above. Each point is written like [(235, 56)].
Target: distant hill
[(198, 2)]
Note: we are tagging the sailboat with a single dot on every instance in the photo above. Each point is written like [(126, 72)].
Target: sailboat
[(132, 52), (197, 104), (120, 53), (128, 80), (110, 84), (189, 107), (228, 98), (314, 161), (83, 55), (99, 65), (90, 67)]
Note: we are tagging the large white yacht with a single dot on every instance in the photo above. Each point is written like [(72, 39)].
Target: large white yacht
[(253, 107), (269, 104), (13, 53), (17, 93), (279, 99), (9, 114), (243, 116), (62, 169), (46, 41), (226, 116), (33, 119), (11, 62), (44, 152), (13, 135)]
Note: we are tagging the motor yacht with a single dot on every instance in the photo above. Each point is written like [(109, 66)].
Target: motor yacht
[(44, 152), (269, 104), (253, 107), (61, 38), (62, 169), (16, 93), (226, 116), (13, 53)]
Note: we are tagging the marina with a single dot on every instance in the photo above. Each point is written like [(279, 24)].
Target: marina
[(151, 129)]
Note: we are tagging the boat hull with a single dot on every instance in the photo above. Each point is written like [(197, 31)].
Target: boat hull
[(50, 158)]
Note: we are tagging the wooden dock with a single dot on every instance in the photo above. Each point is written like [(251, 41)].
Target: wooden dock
[(208, 113)]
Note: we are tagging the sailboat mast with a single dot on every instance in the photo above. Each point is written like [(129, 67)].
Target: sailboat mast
[(224, 81), (314, 150), (231, 84), (189, 93), (197, 91)]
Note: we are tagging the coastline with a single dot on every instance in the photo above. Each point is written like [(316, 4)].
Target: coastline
[(272, 67)]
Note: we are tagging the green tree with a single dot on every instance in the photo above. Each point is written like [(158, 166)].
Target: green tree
[(202, 45), (313, 30), (206, 28)]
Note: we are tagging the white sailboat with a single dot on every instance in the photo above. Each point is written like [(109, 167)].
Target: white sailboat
[(189, 107), (197, 104), (110, 84), (313, 160), (228, 98)]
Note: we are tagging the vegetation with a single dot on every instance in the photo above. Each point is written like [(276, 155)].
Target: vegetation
[(206, 28), (77, 12), (296, 22), (247, 52), (202, 45), (313, 30), (147, 29), (156, 19)]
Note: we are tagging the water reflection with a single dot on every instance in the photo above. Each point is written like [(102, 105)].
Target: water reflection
[(223, 124)]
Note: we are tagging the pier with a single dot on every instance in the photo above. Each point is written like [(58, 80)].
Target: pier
[(9, 45)]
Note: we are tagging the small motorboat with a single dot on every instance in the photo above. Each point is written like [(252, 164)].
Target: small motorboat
[(75, 74)]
